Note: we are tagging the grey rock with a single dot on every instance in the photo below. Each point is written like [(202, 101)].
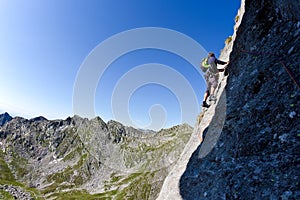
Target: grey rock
[(283, 138), (291, 50), (78, 153), (286, 195), (5, 117), (297, 32), (292, 114), (16, 192), (260, 130)]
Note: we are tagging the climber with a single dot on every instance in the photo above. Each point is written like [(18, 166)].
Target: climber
[(212, 77)]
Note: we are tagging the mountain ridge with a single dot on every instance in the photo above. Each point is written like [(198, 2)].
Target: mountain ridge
[(90, 157)]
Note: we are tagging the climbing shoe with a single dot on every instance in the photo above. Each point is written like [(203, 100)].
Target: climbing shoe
[(212, 98), (205, 105)]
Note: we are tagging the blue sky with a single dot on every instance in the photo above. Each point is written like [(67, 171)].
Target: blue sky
[(44, 43)]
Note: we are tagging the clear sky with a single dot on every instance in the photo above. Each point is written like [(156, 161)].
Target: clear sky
[(43, 46)]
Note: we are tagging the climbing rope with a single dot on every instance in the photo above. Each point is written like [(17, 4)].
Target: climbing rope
[(287, 69), (290, 73)]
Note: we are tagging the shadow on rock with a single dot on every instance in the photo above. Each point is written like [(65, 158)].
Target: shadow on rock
[(198, 178)]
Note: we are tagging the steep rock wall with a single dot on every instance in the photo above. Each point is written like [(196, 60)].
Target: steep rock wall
[(257, 154)]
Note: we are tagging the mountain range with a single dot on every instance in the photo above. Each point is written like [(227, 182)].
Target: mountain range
[(86, 159)]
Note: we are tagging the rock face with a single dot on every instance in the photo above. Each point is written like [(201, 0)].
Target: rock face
[(15, 192), (81, 158), (257, 154)]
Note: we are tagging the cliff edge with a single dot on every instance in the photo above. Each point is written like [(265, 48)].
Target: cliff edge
[(250, 147)]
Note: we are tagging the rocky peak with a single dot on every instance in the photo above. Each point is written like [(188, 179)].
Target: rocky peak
[(117, 131), (37, 119), (5, 117)]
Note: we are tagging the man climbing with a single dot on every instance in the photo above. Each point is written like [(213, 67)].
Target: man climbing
[(211, 77)]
